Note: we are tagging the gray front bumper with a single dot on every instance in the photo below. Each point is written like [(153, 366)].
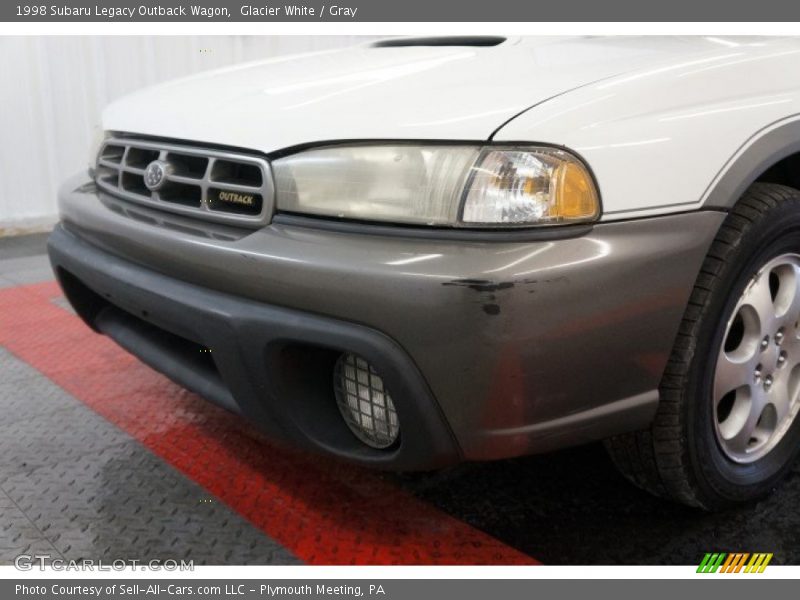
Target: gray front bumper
[(526, 344)]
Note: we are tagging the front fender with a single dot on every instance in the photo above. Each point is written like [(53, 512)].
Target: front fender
[(677, 138)]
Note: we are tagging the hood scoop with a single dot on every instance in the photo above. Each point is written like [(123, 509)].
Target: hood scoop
[(474, 41)]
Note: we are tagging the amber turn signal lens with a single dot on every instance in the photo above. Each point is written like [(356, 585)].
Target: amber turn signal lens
[(576, 197)]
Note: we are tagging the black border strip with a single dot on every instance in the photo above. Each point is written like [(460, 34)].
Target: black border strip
[(530, 234)]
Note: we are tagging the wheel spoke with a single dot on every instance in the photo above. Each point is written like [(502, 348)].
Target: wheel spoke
[(740, 440), (779, 398), (793, 311), (756, 379), (758, 296), (731, 375)]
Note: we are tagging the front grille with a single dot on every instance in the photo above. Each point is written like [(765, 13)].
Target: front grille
[(212, 184)]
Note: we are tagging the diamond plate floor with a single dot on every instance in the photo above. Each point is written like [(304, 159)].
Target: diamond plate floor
[(74, 486)]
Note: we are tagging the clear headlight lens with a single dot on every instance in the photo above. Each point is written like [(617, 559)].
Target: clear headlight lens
[(518, 187), (444, 185), (400, 184)]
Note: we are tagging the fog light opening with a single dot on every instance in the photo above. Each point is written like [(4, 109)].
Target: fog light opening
[(364, 402)]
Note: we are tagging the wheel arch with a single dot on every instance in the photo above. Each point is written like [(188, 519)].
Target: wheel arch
[(771, 156)]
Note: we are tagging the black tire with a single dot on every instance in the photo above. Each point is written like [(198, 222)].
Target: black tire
[(679, 457)]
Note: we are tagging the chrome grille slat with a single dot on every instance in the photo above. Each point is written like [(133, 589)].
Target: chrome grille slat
[(188, 158)]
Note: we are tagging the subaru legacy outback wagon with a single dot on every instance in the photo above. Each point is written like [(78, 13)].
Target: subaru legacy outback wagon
[(422, 251)]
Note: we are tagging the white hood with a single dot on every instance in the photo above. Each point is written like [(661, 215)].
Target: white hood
[(422, 92)]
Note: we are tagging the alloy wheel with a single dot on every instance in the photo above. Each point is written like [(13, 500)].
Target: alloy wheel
[(757, 374)]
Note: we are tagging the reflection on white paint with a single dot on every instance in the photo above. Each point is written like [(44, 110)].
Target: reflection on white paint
[(667, 69), (376, 74), (488, 113), (723, 42), (362, 78), (624, 144), (713, 111), (572, 109), (738, 62)]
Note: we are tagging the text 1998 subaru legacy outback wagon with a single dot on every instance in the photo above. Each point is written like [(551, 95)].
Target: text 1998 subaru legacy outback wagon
[(423, 251)]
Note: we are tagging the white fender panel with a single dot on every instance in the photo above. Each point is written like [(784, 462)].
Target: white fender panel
[(658, 138)]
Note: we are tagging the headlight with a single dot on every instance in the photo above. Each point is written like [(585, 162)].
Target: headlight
[(522, 186), (439, 185)]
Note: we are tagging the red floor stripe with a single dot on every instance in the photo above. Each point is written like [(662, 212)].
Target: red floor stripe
[(324, 511)]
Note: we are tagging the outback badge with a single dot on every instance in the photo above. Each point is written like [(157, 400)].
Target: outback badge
[(236, 198)]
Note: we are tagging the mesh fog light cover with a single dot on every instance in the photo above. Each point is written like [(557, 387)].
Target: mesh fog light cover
[(364, 402)]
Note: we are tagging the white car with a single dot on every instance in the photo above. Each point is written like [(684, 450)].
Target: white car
[(423, 251)]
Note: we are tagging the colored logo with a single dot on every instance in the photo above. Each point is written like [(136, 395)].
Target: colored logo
[(736, 562)]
